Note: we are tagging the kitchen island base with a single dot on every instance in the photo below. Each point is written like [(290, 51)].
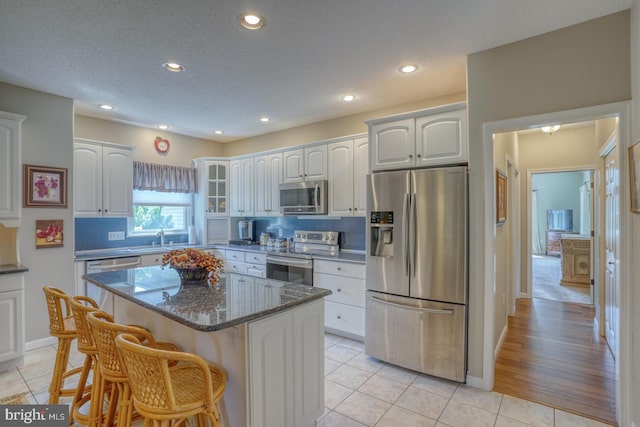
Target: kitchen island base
[(274, 365)]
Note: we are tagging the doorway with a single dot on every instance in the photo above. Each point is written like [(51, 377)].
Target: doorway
[(620, 114), (561, 231)]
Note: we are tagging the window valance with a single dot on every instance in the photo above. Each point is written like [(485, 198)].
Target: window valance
[(165, 178)]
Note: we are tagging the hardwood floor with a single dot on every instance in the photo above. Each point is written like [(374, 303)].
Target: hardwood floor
[(553, 355)]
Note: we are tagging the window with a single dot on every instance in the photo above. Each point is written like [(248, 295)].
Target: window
[(153, 210)]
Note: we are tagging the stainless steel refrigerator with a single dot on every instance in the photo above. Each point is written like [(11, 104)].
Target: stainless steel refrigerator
[(417, 252)]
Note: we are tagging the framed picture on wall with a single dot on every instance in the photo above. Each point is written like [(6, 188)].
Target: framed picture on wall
[(501, 197), (44, 187), (49, 233), (634, 176)]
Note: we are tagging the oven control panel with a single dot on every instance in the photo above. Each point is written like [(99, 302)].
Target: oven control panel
[(316, 237)]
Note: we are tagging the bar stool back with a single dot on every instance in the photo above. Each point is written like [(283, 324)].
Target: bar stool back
[(168, 395), (105, 331)]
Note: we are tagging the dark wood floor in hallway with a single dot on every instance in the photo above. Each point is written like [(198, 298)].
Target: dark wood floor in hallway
[(553, 355)]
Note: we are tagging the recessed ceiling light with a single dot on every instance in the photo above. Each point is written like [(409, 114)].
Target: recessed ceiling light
[(163, 127), (173, 67), (348, 98), (106, 107), (408, 68), (218, 132), (251, 21), (265, 119)]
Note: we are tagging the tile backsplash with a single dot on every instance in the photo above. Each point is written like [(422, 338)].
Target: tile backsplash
[(92, 233), (351, 229)]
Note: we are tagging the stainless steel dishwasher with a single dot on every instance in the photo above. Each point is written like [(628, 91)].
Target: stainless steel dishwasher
[(119, 265)]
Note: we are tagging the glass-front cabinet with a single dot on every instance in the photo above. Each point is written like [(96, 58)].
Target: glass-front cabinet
[(216, 188)]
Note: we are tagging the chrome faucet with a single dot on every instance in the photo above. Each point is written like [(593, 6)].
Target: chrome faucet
[(161, 236)]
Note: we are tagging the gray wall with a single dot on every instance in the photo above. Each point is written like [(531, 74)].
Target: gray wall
[(47, 138), (590, 66)]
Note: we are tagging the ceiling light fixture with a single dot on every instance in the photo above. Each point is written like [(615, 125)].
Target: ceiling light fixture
[(163, 127), (550, 129), (407, 69), (173, 67), (265, 119), (106, 107), (251, 21), (348, 98), (218, 132)]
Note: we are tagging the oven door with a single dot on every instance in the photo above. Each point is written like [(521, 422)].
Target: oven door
[(293, 270)]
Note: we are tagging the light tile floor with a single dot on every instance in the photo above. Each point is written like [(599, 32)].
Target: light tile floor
[(359, 391), (362, 391)]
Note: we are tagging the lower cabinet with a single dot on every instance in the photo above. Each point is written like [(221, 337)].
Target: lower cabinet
[(251, 263), (344, 308), (286, 368), (12, 319)]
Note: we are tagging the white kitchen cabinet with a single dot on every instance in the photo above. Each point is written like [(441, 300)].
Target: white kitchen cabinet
[(432, 137), (285, 365), (305, 164), (344, 308), (102, 179), (150, 260), (241, 186), (246, 262), (10, 168), (348, 165), (211, 203), (214, 175), (12, 318), (268, 175)]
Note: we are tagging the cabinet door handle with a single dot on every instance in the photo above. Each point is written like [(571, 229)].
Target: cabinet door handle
[(338, 290), (339, 268), (411, 156), (338, 317)]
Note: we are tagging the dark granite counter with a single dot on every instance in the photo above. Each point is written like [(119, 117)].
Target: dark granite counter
[(235, 299), (10, 269)]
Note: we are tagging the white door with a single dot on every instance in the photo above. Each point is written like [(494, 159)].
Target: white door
[(293, 162), (87, 179), (612, 247), (274, 179), (262, 185), (117, 182), (360, 171), (393, 145)]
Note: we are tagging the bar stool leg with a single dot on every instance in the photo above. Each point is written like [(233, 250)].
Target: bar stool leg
[(57, 378)]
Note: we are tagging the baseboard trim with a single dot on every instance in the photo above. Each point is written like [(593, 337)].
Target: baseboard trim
[(42, 342), (477, 382), (499, 345)]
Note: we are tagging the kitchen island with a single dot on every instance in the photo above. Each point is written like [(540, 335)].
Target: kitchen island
[(267, 335)]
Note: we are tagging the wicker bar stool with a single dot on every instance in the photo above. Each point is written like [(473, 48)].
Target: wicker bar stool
[(168, 395), (81, 306), (61, 326), (105, 331)]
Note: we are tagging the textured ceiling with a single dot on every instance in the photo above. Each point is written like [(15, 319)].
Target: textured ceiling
[(293, 70)]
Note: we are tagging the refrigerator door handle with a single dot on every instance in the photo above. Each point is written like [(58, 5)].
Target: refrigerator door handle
[(409, 307), (412, 233), (405, 234)]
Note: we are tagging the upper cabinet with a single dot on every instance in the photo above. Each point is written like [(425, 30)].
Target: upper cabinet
[(348, 166), (268, 175), (102, 179), (305, 164), (437, 136), (11, 182), (241, 186), (216, 183)]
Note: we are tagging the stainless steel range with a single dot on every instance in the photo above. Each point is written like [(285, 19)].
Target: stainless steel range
[(295, 263)]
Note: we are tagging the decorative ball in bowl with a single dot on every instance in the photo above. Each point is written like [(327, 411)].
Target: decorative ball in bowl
[(194, 265)]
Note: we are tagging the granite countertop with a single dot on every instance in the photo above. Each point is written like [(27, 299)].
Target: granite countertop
[(235, 299), (10, 269)]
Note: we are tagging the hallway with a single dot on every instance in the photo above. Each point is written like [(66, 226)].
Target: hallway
[(553, 355)]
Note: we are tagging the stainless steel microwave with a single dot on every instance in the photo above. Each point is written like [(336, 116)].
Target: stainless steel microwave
[(304, 198)]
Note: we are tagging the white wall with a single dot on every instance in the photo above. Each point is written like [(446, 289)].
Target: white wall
[(47, 136)]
